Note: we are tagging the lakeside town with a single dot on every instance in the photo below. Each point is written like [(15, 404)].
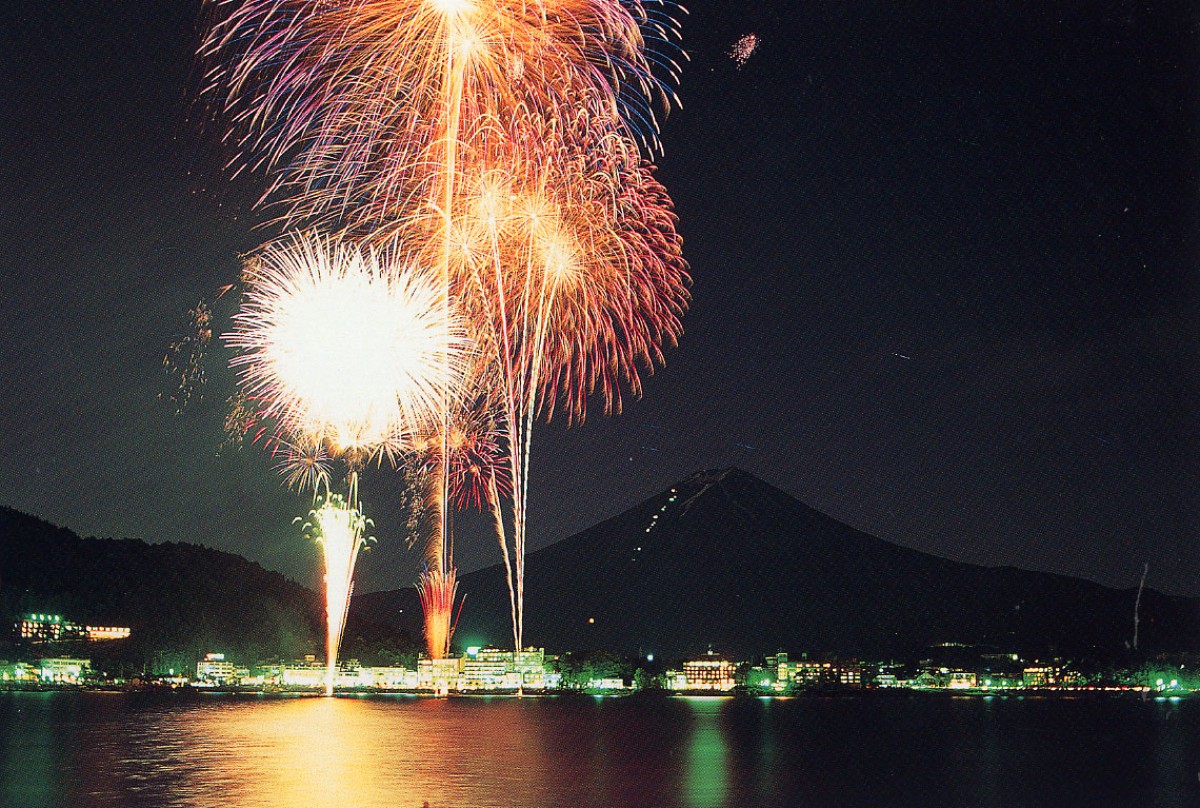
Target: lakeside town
[(949, 666)]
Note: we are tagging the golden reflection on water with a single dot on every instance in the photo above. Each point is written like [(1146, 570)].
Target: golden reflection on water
[(359, 752)]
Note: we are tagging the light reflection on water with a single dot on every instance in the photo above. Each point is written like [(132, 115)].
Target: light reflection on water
[(128, 751)]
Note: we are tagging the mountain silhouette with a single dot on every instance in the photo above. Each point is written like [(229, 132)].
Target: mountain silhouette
[(727, 560)]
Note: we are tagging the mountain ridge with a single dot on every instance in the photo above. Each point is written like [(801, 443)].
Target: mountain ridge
[(726, 559)]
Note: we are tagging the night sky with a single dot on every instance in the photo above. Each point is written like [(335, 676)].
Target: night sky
[(944, 256)]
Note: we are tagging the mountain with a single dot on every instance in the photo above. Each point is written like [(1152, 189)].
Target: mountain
[(177, 598), (727, 560)]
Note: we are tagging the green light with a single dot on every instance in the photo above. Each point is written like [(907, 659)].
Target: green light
[(706, 777)]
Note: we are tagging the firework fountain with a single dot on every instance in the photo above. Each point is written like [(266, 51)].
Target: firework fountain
[(340, 529)]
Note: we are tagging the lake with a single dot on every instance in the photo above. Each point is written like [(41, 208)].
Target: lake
[(128, 749)]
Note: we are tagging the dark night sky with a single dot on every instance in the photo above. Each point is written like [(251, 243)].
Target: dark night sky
[(945, 287)]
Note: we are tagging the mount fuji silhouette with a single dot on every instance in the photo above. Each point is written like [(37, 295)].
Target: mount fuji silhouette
[(727, 560)]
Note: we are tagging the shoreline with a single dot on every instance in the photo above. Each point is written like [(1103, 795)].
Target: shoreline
[(258, 693)]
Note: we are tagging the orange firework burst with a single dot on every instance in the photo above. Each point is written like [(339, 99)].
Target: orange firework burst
[(355, 107), (437, 590)]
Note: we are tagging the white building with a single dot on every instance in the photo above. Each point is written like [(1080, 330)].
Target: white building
[(64, 670), (216, 669)]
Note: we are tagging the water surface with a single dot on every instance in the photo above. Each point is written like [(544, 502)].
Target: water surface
[(109, 749)]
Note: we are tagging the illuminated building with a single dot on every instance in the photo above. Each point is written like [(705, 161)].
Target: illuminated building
[(1039, 676), (307, 673), (530, 665), (44, 628), (389, 678), (64, 670), (215, 668), (780, 671), (608, 683), (40, 628), (777, 668), (811, 672), (488, 669), (311, 672), (438, 675), (961, 680), (709, 672)]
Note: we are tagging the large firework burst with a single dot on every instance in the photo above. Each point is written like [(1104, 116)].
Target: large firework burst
[(355, 107), (344, 346)]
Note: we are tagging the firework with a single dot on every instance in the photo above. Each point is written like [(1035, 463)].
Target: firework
[(497, 142), (743, 49), (340, 528), (572, 278), (475, 455), (183, 364), (340, 346), (304, 464), (356, 109), (437, 590)]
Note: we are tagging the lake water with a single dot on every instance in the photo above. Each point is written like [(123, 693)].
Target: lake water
[(101, 749)]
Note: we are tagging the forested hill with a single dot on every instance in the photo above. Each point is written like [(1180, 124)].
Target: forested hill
[(175, 597)]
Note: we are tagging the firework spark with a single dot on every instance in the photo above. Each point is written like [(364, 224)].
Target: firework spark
[(354, 108), (743, 49), (437, 590), (340, 528), (183, 364), (342, 346), (476, 455), (304, 464)]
